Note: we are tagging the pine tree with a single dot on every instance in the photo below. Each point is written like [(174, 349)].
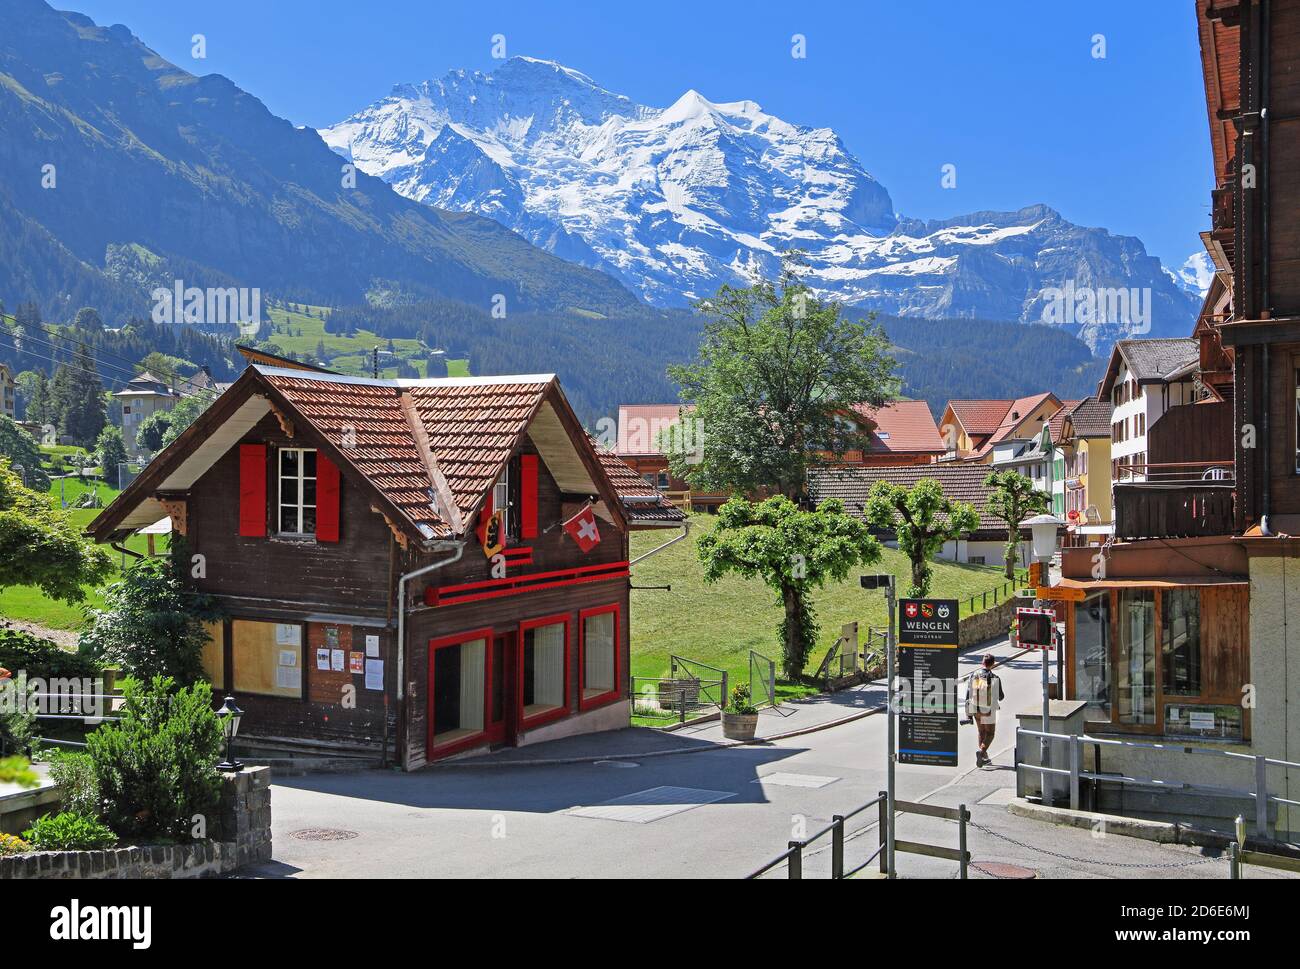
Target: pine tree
[(38, 405), (77, 398)]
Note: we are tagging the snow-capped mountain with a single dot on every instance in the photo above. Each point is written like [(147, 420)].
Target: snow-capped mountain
[(675, 201)]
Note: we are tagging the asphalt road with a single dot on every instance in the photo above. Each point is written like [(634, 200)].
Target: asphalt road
[(502, 822)]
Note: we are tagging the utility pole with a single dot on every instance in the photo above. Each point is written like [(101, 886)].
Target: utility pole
[(374, 361), (886, 582)]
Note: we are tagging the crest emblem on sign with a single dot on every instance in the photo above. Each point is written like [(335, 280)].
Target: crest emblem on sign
[(911, 610), (927, 610), (943, 612)]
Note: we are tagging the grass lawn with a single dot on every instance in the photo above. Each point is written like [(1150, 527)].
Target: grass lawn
[(28, 602), (301, 332), (719, 624)]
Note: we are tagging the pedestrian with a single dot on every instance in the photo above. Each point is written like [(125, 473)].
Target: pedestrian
[(983, 697)]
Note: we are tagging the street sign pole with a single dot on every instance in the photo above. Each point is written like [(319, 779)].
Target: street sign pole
[(890, 605)]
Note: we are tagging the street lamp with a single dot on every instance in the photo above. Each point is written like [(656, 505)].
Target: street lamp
[(886, 581), (230, 715), (1043, 528)]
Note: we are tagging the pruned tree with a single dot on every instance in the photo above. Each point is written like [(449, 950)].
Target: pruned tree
[(794, 552), (922, 518), (1014, 498), (23, 452)]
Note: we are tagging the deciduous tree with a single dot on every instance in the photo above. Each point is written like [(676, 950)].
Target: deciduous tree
[(922, 518), (1014, 498)]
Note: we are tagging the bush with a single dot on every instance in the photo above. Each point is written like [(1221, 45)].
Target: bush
[(741, 702), (17, 729), (69, 831), (11, 844), (154, 623), (74, 773), (23, 652), (155, 768), (17, 770)]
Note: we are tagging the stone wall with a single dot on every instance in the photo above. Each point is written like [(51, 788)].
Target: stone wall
[(989, 624), (242, 836)]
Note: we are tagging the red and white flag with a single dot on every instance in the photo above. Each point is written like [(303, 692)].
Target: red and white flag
[(582, 528)]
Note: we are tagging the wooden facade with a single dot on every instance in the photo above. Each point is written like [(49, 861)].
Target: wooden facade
[(306, 557)]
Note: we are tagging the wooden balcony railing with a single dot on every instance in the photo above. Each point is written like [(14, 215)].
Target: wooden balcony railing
[(1173, 509)]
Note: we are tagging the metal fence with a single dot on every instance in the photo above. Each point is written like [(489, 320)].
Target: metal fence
[(691, 689), (999, 593), (1074, 774), (762, 680)]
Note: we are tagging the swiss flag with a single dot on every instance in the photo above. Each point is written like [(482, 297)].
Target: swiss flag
[(582, 528), (911, 610)]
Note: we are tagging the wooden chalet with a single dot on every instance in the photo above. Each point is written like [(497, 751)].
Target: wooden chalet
[(394, 561)]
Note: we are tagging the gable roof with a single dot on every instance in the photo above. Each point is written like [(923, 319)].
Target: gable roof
[(1091, 418), (430, 450), (644, 505), (960, 482), (1056, 425), (979, 417), (1151, 361), (639, 426), (902, 426)]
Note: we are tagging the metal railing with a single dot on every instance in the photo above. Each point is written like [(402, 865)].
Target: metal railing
[(1075, 774), (681, 695), (1176, 472), (766, 679), (793, 856), (1000, 593)]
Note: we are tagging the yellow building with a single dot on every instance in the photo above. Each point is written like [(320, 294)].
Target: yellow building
[(971, 428), (1087, 433)]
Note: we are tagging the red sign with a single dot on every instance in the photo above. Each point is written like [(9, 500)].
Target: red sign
[(582, 528), (912, 610)]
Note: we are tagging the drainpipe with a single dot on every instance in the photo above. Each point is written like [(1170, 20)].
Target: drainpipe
[(686, 527), (459, 548)]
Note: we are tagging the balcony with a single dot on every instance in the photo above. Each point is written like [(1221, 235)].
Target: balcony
[(1179, 500)]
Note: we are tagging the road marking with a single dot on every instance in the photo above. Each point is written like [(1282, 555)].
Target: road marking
[(614, 763), (784, 779), (653, 804)]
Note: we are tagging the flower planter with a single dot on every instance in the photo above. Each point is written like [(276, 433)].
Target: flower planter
[(739, 726)]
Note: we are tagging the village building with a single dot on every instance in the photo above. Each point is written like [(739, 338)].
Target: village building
[(960, 482), (899, 432), (1176, 630), (647, 433), (972, 428), (413, 569), (8, 393), (142, 396), (1083, 467)]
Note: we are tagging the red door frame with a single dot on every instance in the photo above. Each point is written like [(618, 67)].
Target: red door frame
[(501, 731), (482, 736), (617, 692), (564, 709)]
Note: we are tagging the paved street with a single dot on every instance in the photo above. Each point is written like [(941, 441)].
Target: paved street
[(742, 805)]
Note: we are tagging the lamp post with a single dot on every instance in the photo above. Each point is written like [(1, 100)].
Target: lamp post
[(1043, 529), (230, 715), (886, 582)]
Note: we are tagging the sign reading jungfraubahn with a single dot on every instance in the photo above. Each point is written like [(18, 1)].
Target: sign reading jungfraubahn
[(927, 670)]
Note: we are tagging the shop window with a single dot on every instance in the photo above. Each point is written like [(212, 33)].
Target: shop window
[(458, 690), (297, 494), (1092, 655), (1180, 641), (1135, 671), (599, 648), (1218, 721), (266, 658), (543, 670)]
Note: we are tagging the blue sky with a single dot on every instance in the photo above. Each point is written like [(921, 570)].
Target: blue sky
[(1006, 91)]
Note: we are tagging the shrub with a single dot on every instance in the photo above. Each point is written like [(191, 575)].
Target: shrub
[(156, 767), (17, 770), (740, 700), (23, 652), (11, 844), (69, 831), (74, 773), (154, 623), (17, 728)]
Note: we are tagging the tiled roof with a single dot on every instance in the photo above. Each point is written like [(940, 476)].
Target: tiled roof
[(903, 425), (636, 492), (1020, 408), (980, 416), (960, 482), (1057, 422), (639, 426), (1091, 418)]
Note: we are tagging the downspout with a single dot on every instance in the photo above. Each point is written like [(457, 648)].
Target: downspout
[(459, 548), (686, 527)]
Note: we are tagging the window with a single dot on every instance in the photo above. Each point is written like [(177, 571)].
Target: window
[(1092, 655), (297, 477), (976, 560), (266, 657), (501, 499), (599, 659), (543, 668), (457, 690), (1136, 666), (1180, 641), (662, 483)]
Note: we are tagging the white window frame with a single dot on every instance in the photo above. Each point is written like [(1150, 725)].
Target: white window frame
[(298, 480), (501, 500)]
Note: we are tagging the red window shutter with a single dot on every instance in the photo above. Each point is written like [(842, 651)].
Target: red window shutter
[(327, 499), (252, 490), (528, 495)]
